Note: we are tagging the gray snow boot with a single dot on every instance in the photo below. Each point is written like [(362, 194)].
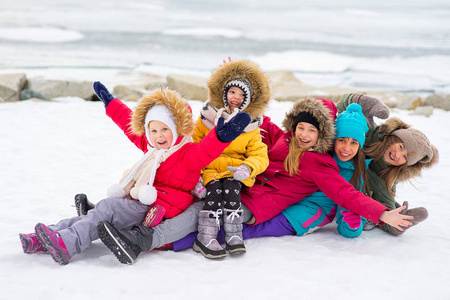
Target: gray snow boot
[(125, 244), (419, 214), (82, 204), (208, 227), (232, 225)]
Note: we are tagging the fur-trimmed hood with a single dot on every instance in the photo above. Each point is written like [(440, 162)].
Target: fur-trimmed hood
[(322, 114), (241, 69), (181, 111), (409, 172)]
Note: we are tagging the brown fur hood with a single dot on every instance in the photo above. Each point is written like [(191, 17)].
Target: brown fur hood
[(322, 114), (390, 126), (180, 109), (241, 69)]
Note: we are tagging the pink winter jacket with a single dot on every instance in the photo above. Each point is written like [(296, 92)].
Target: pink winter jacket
[(275, 189), (178, 174)]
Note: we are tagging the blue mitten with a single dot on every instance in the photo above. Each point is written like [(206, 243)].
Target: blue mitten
[(233, 128), (103, 93)]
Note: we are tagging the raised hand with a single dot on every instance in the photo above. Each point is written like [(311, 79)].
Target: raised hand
[(240, 173), (371, 107), (233, 128), (103, 93)]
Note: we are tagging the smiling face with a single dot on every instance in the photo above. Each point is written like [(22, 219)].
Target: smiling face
[(235, 97), (306, 135), (346, 148), (396, 154), (160, 135)]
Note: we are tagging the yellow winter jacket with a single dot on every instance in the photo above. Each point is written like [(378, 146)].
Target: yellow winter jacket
[(247, 149)]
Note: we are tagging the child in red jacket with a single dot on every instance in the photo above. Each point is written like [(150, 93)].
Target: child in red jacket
[(162, 124)]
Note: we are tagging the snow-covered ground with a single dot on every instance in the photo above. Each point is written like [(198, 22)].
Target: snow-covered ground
[(52, 150)]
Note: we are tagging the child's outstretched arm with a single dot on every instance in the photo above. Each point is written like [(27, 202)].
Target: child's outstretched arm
[(396, 219)]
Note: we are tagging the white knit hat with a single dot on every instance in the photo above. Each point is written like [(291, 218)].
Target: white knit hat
[(160, 113)]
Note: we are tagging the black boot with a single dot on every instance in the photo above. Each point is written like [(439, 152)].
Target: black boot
[(82, 204), (121, 243)]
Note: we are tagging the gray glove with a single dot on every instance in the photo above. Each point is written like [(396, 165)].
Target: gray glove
[(240, 173), (371, 107)]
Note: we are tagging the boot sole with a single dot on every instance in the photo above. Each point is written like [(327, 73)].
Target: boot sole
[(236, 251), (52, 248), (198, 247), (111, 240)]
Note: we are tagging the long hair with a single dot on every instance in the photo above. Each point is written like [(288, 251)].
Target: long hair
[(359, 177), (293, 158), (376, 151)]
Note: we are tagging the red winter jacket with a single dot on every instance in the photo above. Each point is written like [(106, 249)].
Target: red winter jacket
[(275, 189), (178, 174)]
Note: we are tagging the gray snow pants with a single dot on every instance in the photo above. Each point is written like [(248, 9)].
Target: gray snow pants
[(175, 229), (79, 232)]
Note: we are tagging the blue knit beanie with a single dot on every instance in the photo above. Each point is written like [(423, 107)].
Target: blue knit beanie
[(352, 123)]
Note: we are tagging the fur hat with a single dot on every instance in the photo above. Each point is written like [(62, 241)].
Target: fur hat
[(394, 124), (180, 110), (321, 113), (233, 73), (417, 145), (352, 123)]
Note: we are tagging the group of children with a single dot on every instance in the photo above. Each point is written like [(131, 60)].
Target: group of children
[(279, 182)]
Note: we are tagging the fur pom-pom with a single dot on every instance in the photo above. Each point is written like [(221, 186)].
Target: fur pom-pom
[(148, 194), (116, 191)]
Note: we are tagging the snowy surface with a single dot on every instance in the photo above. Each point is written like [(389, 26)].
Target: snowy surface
[(52, 150)]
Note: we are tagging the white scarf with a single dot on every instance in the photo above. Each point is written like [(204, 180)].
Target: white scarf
[(144, 172)]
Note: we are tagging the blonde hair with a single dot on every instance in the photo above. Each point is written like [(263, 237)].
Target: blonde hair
[(293, 158), (376, 151)]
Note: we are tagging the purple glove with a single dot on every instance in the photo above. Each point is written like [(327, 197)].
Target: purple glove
[(371, 107), (353, 220)]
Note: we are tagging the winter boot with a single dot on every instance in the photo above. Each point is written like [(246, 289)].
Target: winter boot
[(154, 215), (30, 243), (54, 244), (232, 225), (124, 244), (419, 213), (208, 227), (82, 204)]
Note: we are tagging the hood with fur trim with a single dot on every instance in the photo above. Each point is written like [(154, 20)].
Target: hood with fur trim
[(182, 115), (322, 114), (241, 69), (409, 172)]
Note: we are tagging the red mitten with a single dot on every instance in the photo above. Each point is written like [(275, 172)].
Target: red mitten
[(353, 220)]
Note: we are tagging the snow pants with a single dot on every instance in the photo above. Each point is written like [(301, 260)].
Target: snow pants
[(79, 232)]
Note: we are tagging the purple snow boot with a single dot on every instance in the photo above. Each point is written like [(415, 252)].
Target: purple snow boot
[(54, 244), (30, 243)]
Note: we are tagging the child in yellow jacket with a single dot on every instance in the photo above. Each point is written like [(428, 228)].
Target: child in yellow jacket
[(238, 86)]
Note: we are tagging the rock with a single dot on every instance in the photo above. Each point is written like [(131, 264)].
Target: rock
[(423, 111), (59, 88), (28, 94), (11, 85), (438, 101), (409, 102), (190, 87), (286, 87)]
